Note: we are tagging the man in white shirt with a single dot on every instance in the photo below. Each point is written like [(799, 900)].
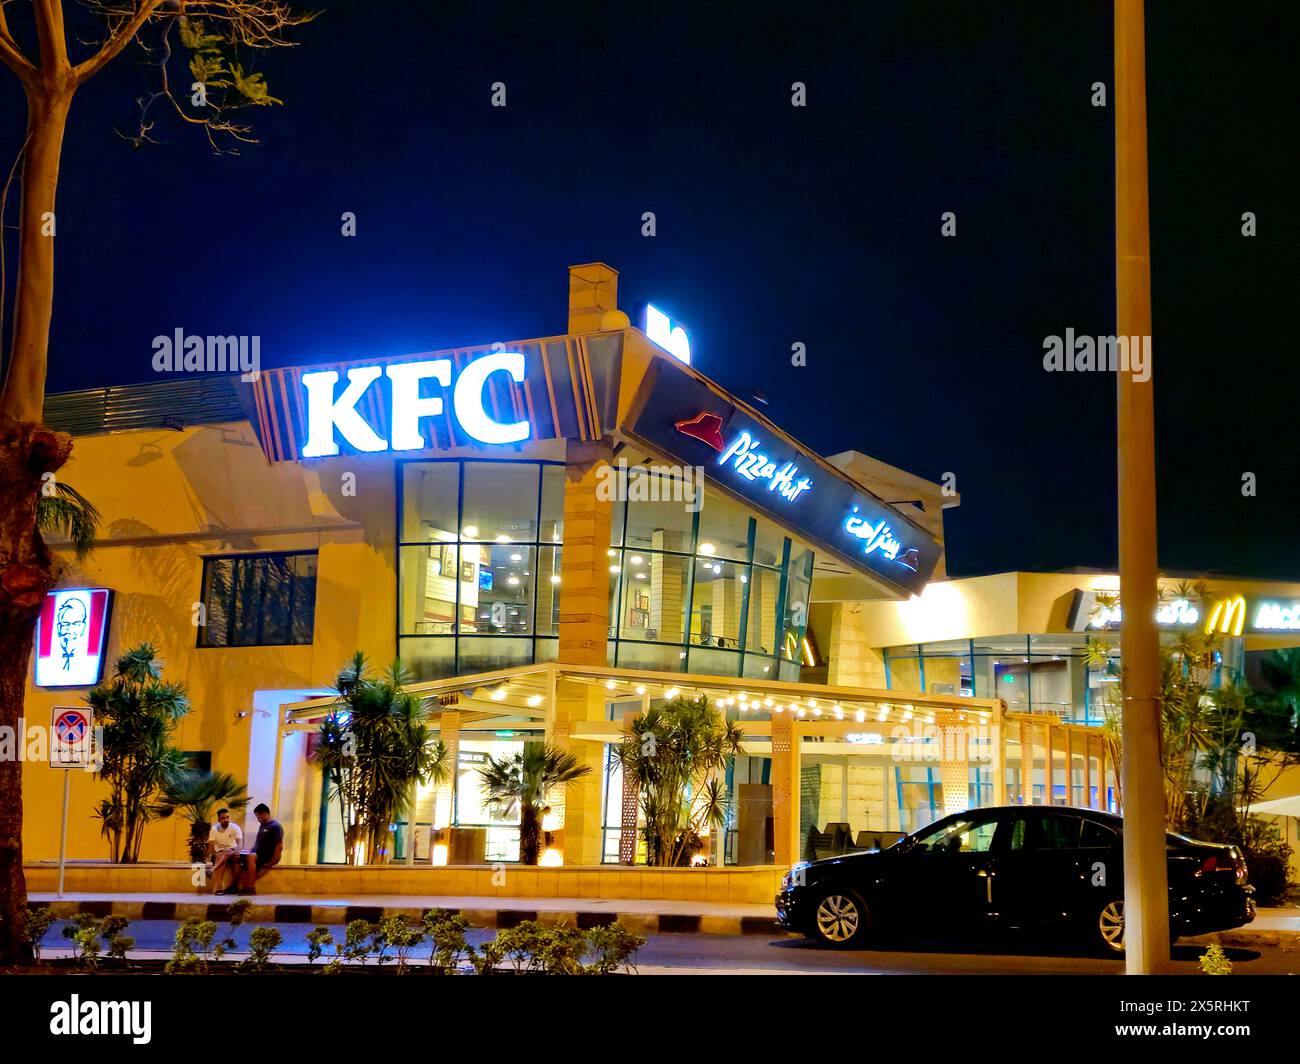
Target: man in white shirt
[(224, 843)]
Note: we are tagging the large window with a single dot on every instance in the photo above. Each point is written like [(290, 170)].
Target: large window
[(258, 600), (479, 563), (713, 589), (710, 588)]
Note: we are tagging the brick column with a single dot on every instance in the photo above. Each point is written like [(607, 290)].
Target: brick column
[(444, 801), (584, 575), (667, 590), (851, 662)]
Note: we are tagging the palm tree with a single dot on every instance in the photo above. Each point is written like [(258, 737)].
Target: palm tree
[(69, 513), (522, 783), (373, 749), (138, 712), (676, 756), (197, 796)]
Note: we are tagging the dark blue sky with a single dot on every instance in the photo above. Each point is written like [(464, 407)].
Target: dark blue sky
[(775, 225)]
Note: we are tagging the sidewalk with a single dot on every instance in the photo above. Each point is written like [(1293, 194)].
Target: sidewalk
[(652, 916), (1271, 927)]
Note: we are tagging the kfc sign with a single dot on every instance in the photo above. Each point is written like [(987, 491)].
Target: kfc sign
[(332, 414), (70, 637)]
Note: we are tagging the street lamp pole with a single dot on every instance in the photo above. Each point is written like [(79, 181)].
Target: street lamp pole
[(1146, 891)]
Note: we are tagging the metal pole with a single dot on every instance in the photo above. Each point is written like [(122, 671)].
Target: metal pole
[(63, 831), (1146, 891)]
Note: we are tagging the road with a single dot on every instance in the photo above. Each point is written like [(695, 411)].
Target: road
[(761, 954)]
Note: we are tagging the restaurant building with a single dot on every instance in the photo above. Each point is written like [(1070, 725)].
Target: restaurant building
[(551, 535)]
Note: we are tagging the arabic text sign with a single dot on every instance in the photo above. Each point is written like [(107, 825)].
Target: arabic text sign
[(71, 737)]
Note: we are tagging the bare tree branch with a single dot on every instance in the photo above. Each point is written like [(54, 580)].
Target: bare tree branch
[(117, 40), (10, 54), (50, 34)]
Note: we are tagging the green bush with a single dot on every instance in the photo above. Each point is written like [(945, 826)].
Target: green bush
[(446, 930), (89, 933), (317, 940), (262, 942), (1214, 961), (614, 946), (403, 936), (37, 923)]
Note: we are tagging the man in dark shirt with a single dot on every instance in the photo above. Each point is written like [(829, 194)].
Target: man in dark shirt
[(266, 850)]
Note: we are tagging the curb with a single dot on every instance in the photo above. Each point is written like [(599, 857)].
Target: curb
[(640, 923)]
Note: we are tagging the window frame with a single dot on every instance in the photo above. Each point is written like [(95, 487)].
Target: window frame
[(208, 559)]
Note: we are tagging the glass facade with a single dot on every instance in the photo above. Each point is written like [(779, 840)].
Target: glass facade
[(1071, 675), (479, 565), (716, 590), (720, 592)]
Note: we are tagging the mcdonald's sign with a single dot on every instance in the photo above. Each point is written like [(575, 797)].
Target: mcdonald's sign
[(1228, 616)]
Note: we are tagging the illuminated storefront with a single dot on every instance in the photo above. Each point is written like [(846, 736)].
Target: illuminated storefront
[(581, 502), (1049, 642)]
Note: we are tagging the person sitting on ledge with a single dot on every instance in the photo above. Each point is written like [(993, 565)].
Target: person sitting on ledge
[(265, 854), (224, 842)]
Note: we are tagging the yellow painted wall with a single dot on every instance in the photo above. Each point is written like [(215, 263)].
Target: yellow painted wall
[(168, 499)]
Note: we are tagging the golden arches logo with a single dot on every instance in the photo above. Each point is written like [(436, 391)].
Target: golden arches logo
[(1228, 616)]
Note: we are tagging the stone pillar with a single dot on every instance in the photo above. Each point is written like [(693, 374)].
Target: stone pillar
[(785, 789), (584, 577), (444, 805), (584, 636), (667, 589), (851, 662), (580, 837), (593, 289)]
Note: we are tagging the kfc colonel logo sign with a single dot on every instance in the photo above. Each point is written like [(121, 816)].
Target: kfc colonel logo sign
[(70, 637)]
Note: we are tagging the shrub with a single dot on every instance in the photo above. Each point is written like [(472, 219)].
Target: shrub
[(1214, 961), (317, 940), (560, 950), (359, 940), (261, 944), (403, 936), (37, 922), (89, 933), (191, 947), (614, 946), (446, 930)]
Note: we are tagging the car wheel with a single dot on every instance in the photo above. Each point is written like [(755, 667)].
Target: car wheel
[(841, 919), (1110, 926)]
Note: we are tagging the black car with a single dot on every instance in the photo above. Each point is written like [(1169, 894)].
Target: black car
[(1006, 867)]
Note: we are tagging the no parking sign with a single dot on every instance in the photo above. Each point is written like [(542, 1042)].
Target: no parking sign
[(70, 737)]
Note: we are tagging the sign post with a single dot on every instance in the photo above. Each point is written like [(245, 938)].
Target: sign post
[(71, 737)]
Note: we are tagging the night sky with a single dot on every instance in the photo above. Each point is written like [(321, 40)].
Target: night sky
[(776, 225)]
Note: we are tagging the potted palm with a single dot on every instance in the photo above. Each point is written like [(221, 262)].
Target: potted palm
[(523, 783)]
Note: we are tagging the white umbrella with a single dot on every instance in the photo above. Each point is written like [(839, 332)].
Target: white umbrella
[(1289, 806)]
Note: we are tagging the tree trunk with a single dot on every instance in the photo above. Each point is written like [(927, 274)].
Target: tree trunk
[(28, 450), (24, 391), (530, 833)]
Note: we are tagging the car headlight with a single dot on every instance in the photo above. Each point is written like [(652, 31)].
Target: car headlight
[(794, 877)]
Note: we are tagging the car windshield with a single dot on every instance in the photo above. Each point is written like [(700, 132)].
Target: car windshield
[(956, 836)]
